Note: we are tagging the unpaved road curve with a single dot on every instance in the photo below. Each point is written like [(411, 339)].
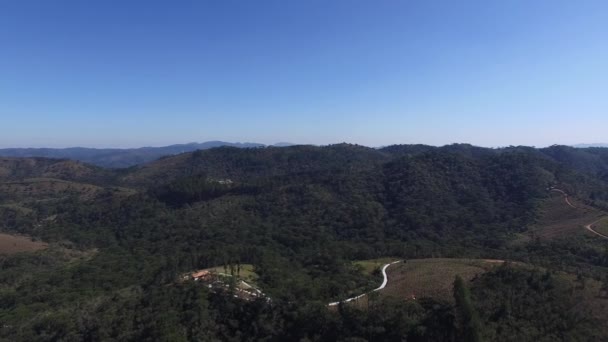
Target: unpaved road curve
[(565, 196), (383, 285), (589, 227)]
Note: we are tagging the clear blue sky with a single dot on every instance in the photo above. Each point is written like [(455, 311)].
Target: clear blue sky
[(130, 73)]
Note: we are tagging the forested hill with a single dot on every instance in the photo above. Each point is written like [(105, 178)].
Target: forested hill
[(120, 241), (583, 167), (242, 164), (15, 169)]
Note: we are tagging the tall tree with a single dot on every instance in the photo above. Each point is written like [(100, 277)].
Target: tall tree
[(468, 318)]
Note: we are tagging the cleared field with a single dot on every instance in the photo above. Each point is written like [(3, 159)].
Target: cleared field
[(10, 244), (558, 219), (420, 278), (433, 278)]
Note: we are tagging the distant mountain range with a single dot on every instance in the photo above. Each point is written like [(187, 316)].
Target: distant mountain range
[(590, 145), (121, 158)]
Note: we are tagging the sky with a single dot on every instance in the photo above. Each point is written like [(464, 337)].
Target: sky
[(117, 73)]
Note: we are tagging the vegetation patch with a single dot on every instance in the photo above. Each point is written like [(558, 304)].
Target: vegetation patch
[(16, 207), (531, 304), (372, 266), (47, 188), (245, 272)]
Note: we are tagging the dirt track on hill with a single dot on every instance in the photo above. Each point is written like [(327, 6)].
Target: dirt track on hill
[(589, 226), (565, 197)]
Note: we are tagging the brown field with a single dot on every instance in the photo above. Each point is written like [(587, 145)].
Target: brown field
[(433, 278), (10, 244), (558, 219)]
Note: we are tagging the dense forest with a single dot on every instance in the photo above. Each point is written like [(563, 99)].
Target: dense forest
[(121, 239)]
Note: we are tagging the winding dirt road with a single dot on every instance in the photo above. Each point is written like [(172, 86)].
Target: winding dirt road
[(589, 227), (565, 196), (383, 285)]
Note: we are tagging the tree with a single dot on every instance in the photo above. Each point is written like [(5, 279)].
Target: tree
[(604, 288), (468, 318)]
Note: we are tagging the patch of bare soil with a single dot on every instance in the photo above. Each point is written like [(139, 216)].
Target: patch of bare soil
[(10, 244)]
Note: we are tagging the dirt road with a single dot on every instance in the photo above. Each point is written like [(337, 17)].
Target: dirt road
[(589, 227), (565, 196), (383, 285)]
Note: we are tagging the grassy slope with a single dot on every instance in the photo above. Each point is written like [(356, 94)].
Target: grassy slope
[(431, 277), (424, 277), (601, 226), (434, 278), (558, 219), (590, 294)]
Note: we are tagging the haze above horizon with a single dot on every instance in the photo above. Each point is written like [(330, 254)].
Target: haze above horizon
[(153, 73)]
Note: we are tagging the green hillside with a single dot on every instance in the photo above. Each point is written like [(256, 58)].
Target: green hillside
[(304, 218)]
